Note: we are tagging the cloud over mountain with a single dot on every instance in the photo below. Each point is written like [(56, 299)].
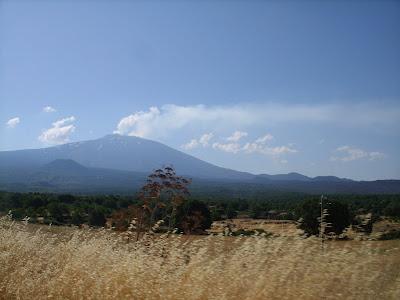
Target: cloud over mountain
[(348, 153), (202, 141), (59, 132), (163, 121)]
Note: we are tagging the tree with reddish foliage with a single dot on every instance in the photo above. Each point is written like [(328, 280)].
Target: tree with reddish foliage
[(160, 198), (166, 191)]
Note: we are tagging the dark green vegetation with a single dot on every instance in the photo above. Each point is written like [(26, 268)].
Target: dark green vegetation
[(336, 215), (391, 235), (164, 203), (192, 216), (78, 209), (64, 208)]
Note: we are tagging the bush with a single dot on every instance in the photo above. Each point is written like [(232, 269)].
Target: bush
[(230, 211), (57, 211), (393, 210), (216, 214), (192, 217), (391, 235), (338, 217), (97, 217), (77, 217)]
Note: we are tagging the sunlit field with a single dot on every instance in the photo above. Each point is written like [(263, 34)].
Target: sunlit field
[(39, 262)]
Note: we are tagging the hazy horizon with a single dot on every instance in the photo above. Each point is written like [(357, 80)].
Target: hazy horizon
[(117, 134)]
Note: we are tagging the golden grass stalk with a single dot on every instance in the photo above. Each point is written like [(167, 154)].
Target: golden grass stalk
[(65, 263)]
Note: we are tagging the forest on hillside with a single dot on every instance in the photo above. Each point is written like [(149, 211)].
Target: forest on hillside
[(76, 209)]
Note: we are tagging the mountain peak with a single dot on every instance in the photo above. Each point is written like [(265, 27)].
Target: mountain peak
[(114, 136)]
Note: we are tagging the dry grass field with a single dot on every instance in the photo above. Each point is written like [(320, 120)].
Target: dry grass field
[(38, 262)]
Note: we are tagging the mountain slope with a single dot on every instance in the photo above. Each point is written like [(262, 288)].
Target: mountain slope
[(65, 166), (120, 164), (67, 176), (105, 181), (121, 153)]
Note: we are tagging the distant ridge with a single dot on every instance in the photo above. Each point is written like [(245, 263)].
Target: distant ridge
[(289, 176), (299, 177), (119, 164)]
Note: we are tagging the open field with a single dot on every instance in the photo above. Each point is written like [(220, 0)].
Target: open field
[(41, 262)]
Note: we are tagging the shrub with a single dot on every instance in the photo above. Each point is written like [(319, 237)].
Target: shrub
[(192, 217), (77, 217), (337, 217), (57, 211), (216, 214), (230, 211), (393, 210), (391, 235), (97, 217)]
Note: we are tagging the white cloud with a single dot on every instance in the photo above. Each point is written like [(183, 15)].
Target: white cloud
[(13, 122), (49, 109), (160, 122), (376, 155), (142, 124), (233, 146), (228, 147), (64, 121), (264, 139), (59, 132), (258, 146), (266, 150), (191, 145), (348, 153), (204, 141), (236, 136)]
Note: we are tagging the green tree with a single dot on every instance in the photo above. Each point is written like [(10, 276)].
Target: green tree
[(66, 198), (97, 217), (393, 210), (34, 202), (57, 211), (77, 217), (216, 214), (230, 211), (255, 210), (337, 217)]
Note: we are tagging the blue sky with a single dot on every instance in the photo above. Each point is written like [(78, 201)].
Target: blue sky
[(261, 86)]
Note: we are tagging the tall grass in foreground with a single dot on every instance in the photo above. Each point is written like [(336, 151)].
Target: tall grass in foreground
[(98, 264)]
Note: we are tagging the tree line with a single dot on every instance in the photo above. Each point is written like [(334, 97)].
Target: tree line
[(165, 197)]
